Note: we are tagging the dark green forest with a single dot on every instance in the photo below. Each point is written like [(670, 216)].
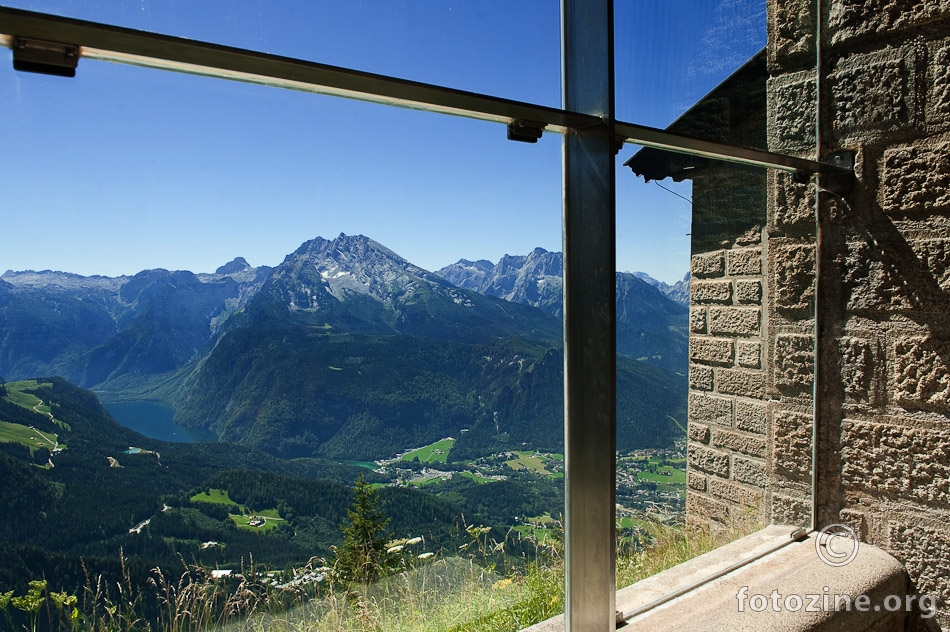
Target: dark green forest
[(294, 391), (73, 520)]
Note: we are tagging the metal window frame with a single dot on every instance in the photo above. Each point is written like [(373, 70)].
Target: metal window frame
[(140, 48), (592, 136)]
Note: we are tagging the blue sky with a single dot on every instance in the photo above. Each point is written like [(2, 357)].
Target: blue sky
[(123, 169)]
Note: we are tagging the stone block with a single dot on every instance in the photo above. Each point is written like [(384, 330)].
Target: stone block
[(790, 510), (700, 377), (736, 494), (916, 178), (750, 416), (938, 98), (791, 454), (743, 383), (925, 553), (702, 508), (734, 321), (912, 464), (751, 237), (921, 373), (708, 460), (793, 208), (711, 350), (857, 19), (856, 520), (701, 292), (791, 29), (873, 93), (745, 262), (791, 112), (753, 445), (749, 471), (857, 370), (794, 363), (749, 291), (878, 280), (935, 254), (698, 432), (794, 276), (697, 320), (710, 264), (749, 354), (710, 409), (696, 481)]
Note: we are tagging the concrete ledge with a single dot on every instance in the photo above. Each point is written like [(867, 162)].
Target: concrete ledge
[(792, 576)]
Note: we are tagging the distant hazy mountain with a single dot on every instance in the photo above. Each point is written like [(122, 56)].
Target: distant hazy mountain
[(91, 330), (678, 292), (650, 325)]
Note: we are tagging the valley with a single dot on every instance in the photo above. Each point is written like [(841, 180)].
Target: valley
[(216, 419)]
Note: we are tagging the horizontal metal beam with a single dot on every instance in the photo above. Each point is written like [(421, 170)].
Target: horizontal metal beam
[(678, 143), (140, 48)]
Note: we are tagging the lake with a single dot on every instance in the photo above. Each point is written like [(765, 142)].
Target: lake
[(156, 421)]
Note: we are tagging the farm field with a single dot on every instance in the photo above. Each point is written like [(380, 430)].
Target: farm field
[(437, 452), (220, 497), (31, 438)]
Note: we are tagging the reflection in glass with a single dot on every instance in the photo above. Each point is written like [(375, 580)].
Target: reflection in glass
[(722, 383), (669, 55)]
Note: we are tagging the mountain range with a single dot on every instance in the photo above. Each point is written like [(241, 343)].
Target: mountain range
[(651, 320), (345, 349)]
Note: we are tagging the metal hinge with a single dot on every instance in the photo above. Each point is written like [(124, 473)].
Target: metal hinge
[(48, 58)]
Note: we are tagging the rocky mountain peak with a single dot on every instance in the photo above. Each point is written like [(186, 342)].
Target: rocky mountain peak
[(239, 264), (322, 272)]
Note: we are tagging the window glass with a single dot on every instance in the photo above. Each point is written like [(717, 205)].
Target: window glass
[(346, 288), (225, 261), (176, 158), (670, 55), (653, 226), (706, 220)]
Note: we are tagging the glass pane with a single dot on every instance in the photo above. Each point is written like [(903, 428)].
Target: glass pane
[(692, 480), (672, 59), (509, 50), (259, 265), (653, 225)]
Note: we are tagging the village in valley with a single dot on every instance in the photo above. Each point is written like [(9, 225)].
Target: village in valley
[(649, 481)]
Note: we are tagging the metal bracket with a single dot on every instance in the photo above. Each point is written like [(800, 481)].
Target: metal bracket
[(525, 131), (48, 58), (618, 144), (840, 182)]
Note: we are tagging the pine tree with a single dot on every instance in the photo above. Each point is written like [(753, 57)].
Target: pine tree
[(364, 557)]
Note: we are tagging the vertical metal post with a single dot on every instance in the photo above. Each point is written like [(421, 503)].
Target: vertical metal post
[(589, 317)]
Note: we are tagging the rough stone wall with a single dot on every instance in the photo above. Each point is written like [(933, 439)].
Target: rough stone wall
[(877, 316), (792, 262), (883, 297), (727, 448)]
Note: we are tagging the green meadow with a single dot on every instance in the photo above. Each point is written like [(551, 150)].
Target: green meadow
[(437, 452)]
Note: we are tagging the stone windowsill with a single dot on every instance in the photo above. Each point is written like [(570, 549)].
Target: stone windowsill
[(795, 569)]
